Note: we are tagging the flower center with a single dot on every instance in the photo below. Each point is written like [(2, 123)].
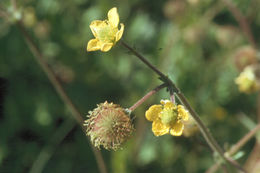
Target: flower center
[(107, 33), (168, 116)]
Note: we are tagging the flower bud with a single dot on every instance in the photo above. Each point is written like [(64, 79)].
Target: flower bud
[(108, 125), (248, 80)]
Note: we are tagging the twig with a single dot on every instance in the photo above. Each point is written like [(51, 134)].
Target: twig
[(172, 96), (149, 94), (213, 168), (243, 141), (143, 59), (254, 155), (236, 147), (50, 74), (204, 130), (58, 87), (49, 149), (241, 20)]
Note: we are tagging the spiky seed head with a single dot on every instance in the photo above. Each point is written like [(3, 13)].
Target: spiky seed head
[(108, 125)]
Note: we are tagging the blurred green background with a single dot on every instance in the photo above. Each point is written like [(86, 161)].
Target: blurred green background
[(195, 42)]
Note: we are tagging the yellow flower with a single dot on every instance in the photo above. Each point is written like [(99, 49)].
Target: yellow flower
[(167, 118), (106, 32), (247, 80)]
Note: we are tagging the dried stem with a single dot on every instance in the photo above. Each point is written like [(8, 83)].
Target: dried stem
[(49, 149), (213, 168), (149, 94), (243, 141), (236, 147), (241, 20), (50, 74), (58, 87), (254, 155), (204, 130)]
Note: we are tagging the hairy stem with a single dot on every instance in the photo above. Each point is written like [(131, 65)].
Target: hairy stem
[(204, 130), (172, 96), (58, 87), (149, 94)]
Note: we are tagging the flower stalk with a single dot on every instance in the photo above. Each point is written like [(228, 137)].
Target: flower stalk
[(173, 88), (236, 147), (172, 96), (149, 94)]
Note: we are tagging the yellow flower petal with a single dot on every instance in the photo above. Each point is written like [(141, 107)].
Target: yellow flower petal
[(106, 47), (183, 113), (159, 129), (120, 32), (163, 102), (96, 25), (177, 128), (153, 112), (113, 17), (93, 45), (167, 104), (170, 105)]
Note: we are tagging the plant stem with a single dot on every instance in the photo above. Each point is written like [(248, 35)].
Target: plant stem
[(172, 96), (149, 94), (243, 141), (143, 60), (49, 149), (253, 157), (58, 87), (204, 130), (236, 147)]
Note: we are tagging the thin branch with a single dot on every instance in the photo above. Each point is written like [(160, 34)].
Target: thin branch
[(243, 141), (50, 74), (172, 96), (236, 147), (213, 168), (243, 23), (143, 59), (254, 155), (58, 87), (48, 150), (149, 94)]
